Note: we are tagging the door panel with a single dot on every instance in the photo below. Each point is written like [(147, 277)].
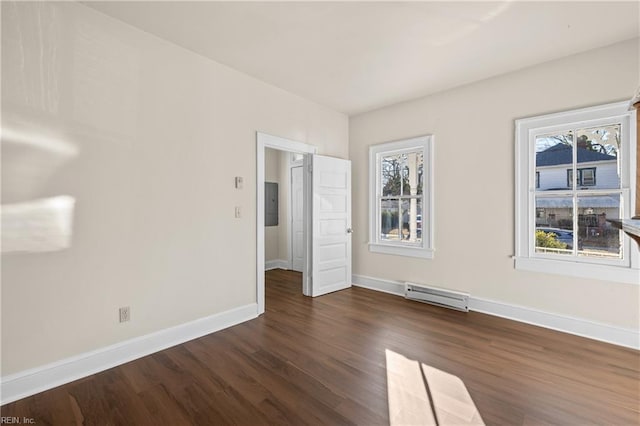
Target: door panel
[(331, 224)]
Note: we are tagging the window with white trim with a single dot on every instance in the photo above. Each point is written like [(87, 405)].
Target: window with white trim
[(561, 208), (584, 177), (401, 197)]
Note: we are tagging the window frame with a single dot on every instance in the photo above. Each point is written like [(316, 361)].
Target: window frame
[(620, 270), (424, 249)]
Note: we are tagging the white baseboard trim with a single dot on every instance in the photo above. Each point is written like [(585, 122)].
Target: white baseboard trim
[(276, 264), (620, 336), (29, 382), (386, 286)]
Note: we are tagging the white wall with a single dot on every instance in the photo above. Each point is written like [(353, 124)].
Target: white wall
[(474, 183), (284, 213), (158, 134), (272, 233), (276, 238)]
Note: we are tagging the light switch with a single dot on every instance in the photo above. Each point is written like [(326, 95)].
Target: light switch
[(239, 182)]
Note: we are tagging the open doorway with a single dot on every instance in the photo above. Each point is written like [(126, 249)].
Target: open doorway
[(327, 231), (284, 227), (280, 246), (284, 210)]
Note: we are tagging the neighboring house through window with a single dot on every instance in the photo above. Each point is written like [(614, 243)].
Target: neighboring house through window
[(585, 177), (401, 197), (561, 208)]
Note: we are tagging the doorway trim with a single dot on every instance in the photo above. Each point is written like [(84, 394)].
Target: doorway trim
[(292, 165), (264, 141)]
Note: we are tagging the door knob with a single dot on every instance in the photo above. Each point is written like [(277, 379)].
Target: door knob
[(349, 230)]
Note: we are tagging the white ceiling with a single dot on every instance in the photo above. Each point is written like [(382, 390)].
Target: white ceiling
[(358, 56)]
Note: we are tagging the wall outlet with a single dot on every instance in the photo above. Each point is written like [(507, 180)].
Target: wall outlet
[(125, 314)]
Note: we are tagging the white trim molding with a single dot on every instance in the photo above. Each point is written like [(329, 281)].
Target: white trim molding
[(276, 264), (401, 251), (29, 382), (386, 286), (620, 336), (628, 275)]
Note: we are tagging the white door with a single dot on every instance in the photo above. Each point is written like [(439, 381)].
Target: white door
[(331, 225), (297, 219)]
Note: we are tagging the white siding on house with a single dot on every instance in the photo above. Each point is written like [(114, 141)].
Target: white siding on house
[(606, 174), (555, 177)]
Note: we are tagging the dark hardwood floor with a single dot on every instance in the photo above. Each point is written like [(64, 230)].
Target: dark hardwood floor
[(322, 361)]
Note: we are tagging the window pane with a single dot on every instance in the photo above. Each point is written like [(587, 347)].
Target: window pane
[(554, 225), (402, 173), (599, 147), (412, 220), (389, 229), (597, 238), (554, 156), (391, 169)]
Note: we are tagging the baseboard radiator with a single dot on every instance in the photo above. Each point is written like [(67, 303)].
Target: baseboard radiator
[(437, 296)]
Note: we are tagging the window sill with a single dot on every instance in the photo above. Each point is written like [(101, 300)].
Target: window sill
[(622, 274), (424, 253)]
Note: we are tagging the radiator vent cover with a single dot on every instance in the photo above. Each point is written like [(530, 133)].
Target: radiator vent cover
[(437, 296)]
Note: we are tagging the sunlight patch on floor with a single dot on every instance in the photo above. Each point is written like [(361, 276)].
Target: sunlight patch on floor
[(419, 394)]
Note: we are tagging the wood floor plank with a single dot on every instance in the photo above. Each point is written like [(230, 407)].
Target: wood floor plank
[(322, 361)]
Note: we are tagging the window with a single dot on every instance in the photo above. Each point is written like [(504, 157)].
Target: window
[(561, 208), (585, 177), (401, 197)]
